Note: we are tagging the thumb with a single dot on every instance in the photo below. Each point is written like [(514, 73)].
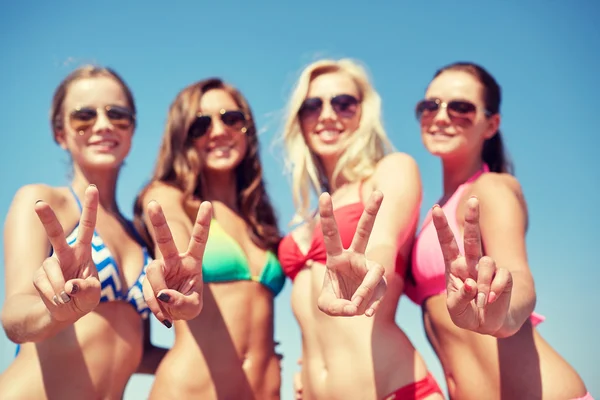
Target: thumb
[(85, 291), (459, 301)]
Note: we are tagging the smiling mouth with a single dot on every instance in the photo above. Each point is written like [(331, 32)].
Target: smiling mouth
[(105, 144), (329, 135)]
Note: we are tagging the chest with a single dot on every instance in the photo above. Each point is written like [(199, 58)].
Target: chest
[(230, 239), (114, 242)]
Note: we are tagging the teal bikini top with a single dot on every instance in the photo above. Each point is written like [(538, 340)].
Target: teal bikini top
[(225, 261)]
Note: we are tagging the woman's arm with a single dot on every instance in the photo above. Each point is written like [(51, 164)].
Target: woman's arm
[(25, 317), (503, 225), (397, 177)]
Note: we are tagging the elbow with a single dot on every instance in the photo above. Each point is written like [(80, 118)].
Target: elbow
[(10, 329)]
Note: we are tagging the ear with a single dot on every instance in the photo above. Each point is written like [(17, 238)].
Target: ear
[(59, 134), (493, 126)]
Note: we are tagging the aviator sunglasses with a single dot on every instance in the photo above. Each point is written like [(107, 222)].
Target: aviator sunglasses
[(232, 118), (344, 105), (83, 118), (455, 108)]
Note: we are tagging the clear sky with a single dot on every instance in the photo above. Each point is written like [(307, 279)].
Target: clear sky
[(544, 53)]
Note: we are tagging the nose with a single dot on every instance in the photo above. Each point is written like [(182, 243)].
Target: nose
[(102, 124), (327, 113), (218, 128), (442, 117)]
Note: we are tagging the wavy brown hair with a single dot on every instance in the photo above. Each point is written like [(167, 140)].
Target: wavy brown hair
[(179, 165)]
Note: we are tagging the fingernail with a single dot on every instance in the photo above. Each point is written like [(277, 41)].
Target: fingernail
[(37, 201), (168, 324), (492, 297), (468, 288), (55, 300), (75, 288), (92, 185), (65, 297), (164, 297), (481, 300)]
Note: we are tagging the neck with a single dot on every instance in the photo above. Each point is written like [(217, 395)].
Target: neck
[(458, 171), (328, 167), (221, 187), (106, 182)]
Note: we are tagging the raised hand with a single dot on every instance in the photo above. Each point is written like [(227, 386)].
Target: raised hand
[(479, 293), (68, 280), (353, 285), (173, 284)]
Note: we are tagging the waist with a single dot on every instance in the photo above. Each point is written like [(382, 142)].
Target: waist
[(218, 372)]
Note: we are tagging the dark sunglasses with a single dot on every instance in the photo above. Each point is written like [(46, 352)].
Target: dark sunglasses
[(233, 119), (83, 118), (344, 105), (454, 108)]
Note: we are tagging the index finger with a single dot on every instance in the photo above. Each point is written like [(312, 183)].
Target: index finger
[(445, 235), (331, 235), (366, 222), (200, 231), (472, 235), (162, 233), (89, 212), (53, 228)]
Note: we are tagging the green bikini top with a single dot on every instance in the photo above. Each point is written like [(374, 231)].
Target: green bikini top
[(225, 261)]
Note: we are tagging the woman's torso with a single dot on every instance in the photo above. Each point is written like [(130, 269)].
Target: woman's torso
[(522, 366), (95, 357), (357, 357), (228, 351)]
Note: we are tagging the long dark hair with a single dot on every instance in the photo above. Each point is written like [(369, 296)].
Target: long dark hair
[(493, 154), (178, 165)]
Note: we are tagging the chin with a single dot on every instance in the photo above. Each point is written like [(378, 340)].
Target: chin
[(222, 166)]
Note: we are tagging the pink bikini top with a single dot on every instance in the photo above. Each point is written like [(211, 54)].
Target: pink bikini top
[(427, 267), (293, 260)]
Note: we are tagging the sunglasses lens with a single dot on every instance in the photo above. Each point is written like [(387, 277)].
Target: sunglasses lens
[(120, 117), (199, 127), (425, 107), (311, 107), (81, 119), (233, 118), (461, 107), (344, 105)]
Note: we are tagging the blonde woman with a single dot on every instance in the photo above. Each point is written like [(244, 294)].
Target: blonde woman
[(336, 143)]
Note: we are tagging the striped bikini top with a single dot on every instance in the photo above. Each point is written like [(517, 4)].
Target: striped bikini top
[(108, 270)]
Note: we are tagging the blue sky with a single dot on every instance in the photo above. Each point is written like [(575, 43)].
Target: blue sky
[(544, 53)]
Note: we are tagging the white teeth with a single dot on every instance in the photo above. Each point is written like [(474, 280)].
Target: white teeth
[(329, 134)]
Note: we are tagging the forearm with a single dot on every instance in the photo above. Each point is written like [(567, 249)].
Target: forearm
[(26, 319), (522, 304), (151, 359)]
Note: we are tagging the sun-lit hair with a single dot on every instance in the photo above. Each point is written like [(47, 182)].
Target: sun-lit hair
[(365, 147), (84, 72), (179, 165)]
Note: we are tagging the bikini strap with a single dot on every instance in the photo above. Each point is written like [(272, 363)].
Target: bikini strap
[(76, 199)]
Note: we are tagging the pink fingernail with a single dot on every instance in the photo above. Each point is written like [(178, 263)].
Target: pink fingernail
[(492, 297)]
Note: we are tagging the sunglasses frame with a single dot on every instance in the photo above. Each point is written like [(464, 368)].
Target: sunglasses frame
[(447, 106), (221, 113), (302, 113), (86, 124)]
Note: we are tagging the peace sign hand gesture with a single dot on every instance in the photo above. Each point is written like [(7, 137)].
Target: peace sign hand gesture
[(68, 280), (173, 285), (353, 285), (479, 294)]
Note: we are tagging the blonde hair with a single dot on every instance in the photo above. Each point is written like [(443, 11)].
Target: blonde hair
[(365, 147)]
